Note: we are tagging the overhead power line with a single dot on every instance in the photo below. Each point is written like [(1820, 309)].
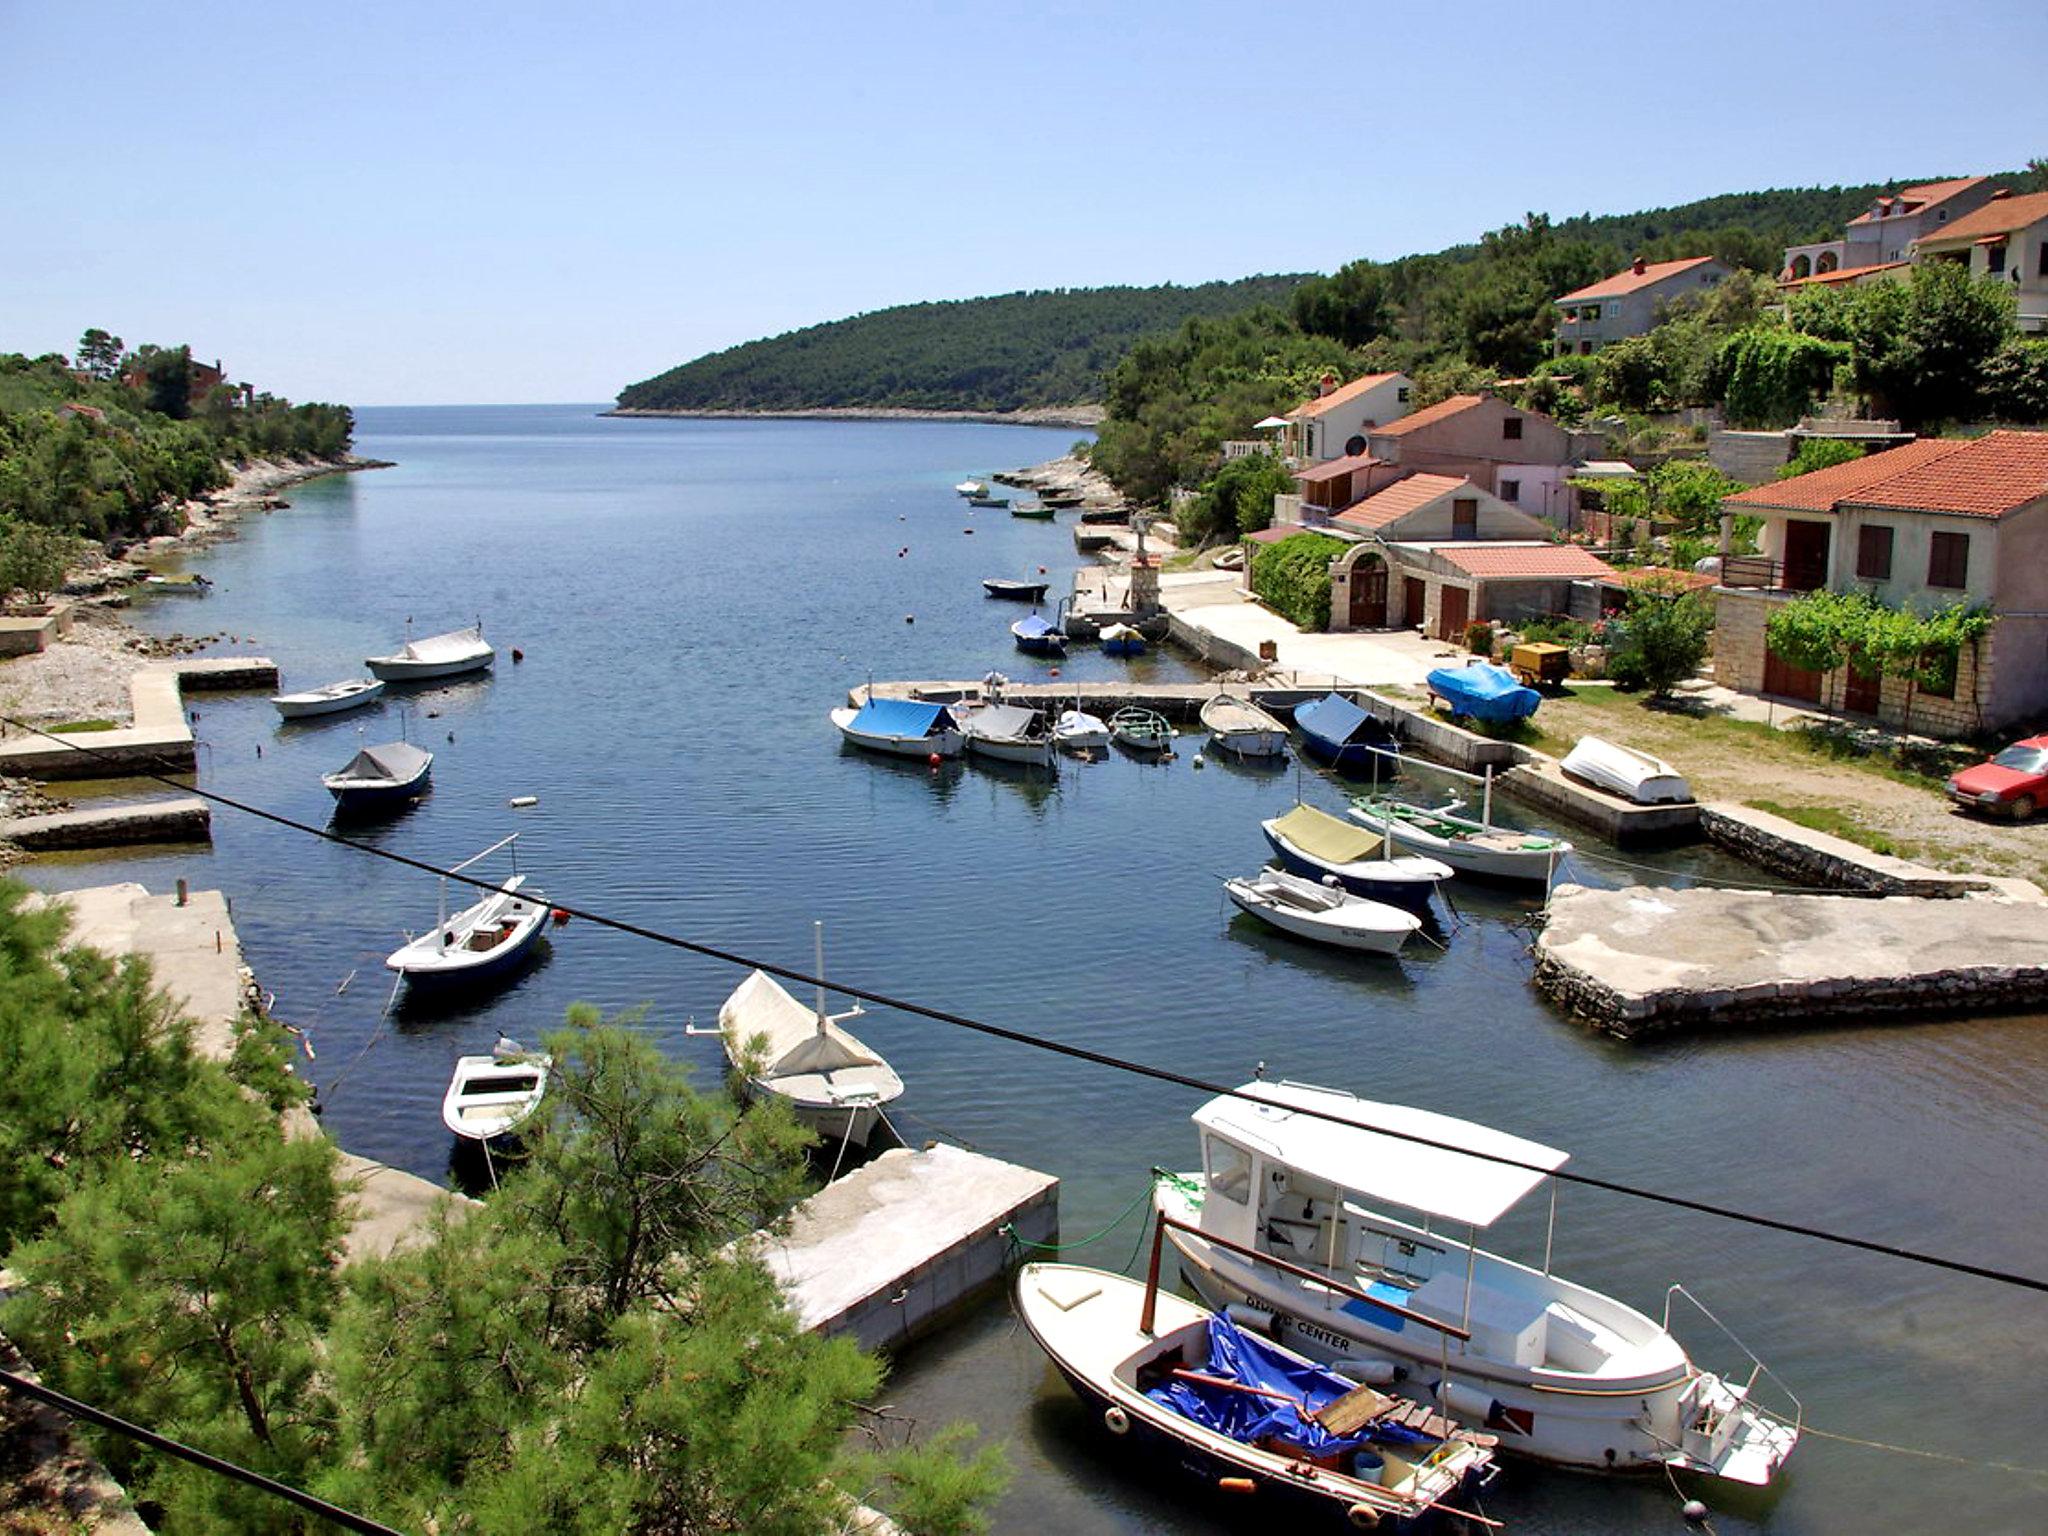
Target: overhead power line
[(1082, 1053)]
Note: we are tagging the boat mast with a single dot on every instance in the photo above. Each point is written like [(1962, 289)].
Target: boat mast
[(818, 961)]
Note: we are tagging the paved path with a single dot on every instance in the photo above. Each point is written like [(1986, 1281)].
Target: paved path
[(1215, 602)]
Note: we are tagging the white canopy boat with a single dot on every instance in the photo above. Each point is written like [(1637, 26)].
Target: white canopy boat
[(972, 488), (492, 1096), (1323, 913), (484, 939), (1563, 1373), (836, 1085), (1624, 771), (1239, 726), (901, 727), (449, 655), (330, 700), (1078, 731), (380, 777), (1469, 847), (1010, 733)]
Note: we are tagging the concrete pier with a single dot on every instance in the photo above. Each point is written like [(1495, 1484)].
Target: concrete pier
[(1645, 959), (159, 739), (1537, 780), (898, 1246), (183, 820)]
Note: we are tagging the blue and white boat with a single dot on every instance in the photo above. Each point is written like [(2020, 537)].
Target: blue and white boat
[(1315, 843), (1483, 691), (1122, 640), (482, 941), (901, 727), (1039, 636), (1338, 732), (378, 778)]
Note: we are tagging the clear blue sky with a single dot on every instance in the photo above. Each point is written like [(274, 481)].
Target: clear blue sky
[(393, 203)]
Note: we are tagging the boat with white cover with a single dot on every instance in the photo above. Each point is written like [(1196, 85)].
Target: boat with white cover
[(1323, 913), (1623, 771), (972, 488), (493, 1096), (458, 652), (1390, 1200), (1238, 726), (1469, 847), (836, 1085), (332, 699), (1315, 843), (486, 938), (1010, 733), (901, 727), (380, 777), (1078, 731)]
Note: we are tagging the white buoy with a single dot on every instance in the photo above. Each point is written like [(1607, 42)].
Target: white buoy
[(520, 802), (1198, 759)]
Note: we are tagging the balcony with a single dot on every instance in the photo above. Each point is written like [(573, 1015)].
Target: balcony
[(1759, 573)]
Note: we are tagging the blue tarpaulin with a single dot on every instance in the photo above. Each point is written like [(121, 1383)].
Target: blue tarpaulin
[(1484, 691), (901, 717)]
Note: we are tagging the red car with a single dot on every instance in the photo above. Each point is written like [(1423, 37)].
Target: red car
[(2014, 783)]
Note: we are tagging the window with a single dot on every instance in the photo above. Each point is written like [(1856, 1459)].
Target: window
[(1994, 259), (1874, 554), (1511, 490), (2044, 258), (1401, 394), (1465, 518), (1230, 1171), (1585, 349), (1948, 560), (1511, 429)]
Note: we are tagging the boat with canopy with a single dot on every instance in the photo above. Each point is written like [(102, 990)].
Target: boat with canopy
[(380, 777), (1010, 733), (451, 655), (901, 727), (1076, 730), (1315, 843), (1338, 732)]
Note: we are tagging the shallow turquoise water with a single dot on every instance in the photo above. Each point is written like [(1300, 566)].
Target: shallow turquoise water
[(691, 597)]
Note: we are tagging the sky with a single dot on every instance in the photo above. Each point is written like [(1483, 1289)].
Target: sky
[(462, 203)]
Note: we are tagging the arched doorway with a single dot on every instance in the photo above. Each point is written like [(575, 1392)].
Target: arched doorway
[(1827, 263), (1368, 593), (1801, 267)]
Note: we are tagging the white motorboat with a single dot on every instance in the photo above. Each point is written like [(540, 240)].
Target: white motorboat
[(1141, 730), (1009, 733), (1315, 843), (1324, 913), (834, 1083), (972, 488), (1624, 771), (901, 727), (486, 938), (1469, 847), (450, 655), (330, 700), (1238, 726), (1306, 1177), (493, 1096), (1078, 731)]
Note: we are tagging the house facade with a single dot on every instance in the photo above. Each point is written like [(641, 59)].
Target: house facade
[(1921, 526), (1628, 303), (2005, 240), (1884, 233), (1334, 424), (1523, 457)]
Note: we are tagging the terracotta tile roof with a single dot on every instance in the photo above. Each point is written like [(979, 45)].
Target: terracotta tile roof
[(1430, 415), (1399, 499), (1628, 280), (2000, 216), (1840, 275), (1333, 469), (1338, 396), (1987, 476), (1926, 195), (1501, 562)]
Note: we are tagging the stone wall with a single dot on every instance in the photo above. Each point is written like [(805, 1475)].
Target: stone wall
[(1822, 862)]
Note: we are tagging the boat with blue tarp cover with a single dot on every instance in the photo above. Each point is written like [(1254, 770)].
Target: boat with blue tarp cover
[(1340, 733), (1483, 691), (1242, 1414), (1039, 636), (902, 727)]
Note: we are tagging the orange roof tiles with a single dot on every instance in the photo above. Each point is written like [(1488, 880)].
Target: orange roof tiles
[(1628, 280), (1332, 469), (1338, 396), (1398, 500), (1840, 275), (2000, 216), (1503, 562), (1925, 195), (1429, 415), (1987, 476)]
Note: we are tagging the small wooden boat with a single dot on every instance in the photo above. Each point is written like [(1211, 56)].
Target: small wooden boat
[(1118, 515), (491, 1097), (1324, 913), (1238, 726), (1469, 847), (1122, 640), (1061, 499), (1016, 591), (901, 727), (380, 777), (1078, 731), (1315, 843), (1007, 732), (1234, 1411), (1623, 771), (1231, 559), (1039, 636), (1037, 511), (458, 652), (486, 938), (1338, 732), (972, 488), (330, 700), (834, 1083), (988, 501), (1141, 730)]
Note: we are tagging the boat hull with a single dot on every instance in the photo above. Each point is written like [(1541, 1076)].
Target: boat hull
[(391, 669), (1304, 925), (1017, 591), (304, 706), (1123, 647), (1037, 754), (1405, 882), (832, 1123), (1255, 743), (1517, 865), (942, 743), (1041, 645), (356, 798)]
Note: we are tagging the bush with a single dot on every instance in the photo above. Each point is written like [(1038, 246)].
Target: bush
[(1819, 453), (1557, 629), (1479, 639), (1293, 577), (1772, 376), (1237, 500), (1664, 640), (33, 559)]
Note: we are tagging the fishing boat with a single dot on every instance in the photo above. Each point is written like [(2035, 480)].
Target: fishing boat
[(1238, 726), (1323, 912), (486, 938), (988, 501), (1078, 731), (1141, 730), (1061, 499), (1315, 843), (1037, 635), (379, 777), (330, 700), (1338, 732), (1470, 847), (901, 727), (1036, 511), (972, 488), (1238, 1413), (834, 1083), (1483, 691), (458, 652), (1623, 771), (1016, 591), (1390, 1200), (491, 1097), (1009, 733), (1122, 640)]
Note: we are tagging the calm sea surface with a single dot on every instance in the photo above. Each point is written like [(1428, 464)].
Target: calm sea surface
[(692, 597)]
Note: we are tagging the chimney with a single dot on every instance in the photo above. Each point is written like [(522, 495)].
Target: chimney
[(1637, 266), (1328, 383)]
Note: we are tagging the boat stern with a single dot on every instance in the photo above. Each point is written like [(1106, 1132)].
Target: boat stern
[(1724, 1434)]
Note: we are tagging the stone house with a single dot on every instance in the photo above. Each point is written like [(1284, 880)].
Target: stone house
[(2006, 239), (1628, 303), (1884, 233), (1924, 525), (1334, 424)]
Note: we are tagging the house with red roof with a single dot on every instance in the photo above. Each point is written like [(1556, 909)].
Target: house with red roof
[(1334, 424), (1630, 302), (1921, 526), (2005, 240), (1879, 241)]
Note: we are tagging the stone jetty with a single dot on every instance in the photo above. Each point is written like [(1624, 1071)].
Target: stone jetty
[(159, 740)]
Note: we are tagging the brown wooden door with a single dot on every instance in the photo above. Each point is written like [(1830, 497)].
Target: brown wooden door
[(1865, 688), (1412, 601), (1369, 593), (1781, 677), (1454, 608), (1806, 556)]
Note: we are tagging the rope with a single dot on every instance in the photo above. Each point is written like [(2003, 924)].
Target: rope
[(1907, 1450), (1733, 885), (1124, 1215)]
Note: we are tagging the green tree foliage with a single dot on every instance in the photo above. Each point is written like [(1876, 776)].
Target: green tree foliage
[(1824, 631), (1819, 453), (1664, 639), (33, 558), (99, 354), (1237, 500), (1352, 306), (2015, 381), (1820, 631), (1918, 348), (1772, 376), (1292, 577), (1690, 492)]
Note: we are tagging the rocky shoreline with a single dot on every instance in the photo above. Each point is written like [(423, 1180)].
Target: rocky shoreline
[(1084, 416)]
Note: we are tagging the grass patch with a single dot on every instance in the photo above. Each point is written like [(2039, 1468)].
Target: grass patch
[(1825, 818), (87, 725), (1185, 560)]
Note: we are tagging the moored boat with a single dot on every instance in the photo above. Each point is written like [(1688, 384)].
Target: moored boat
[(331, 699), (491, 1097), (1016, 591), (1469, 847), (1483, 691), (972, 488), (1037, 635), (1010, 733), (1122, 640), (1236, 725), (1315, 843), (901, 727), (1037, 511), (1078, 731), (458, 652), (1323, 913), (484, 939), (1623, 771), (1141, 730), (988, 501), (380, 777), (1338, 732)]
